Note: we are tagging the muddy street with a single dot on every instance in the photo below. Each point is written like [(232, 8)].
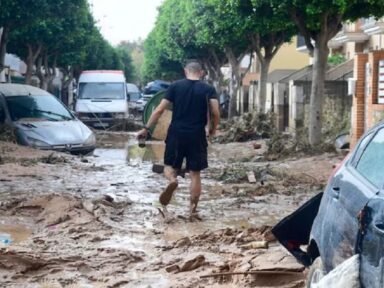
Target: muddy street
[(96, 221)]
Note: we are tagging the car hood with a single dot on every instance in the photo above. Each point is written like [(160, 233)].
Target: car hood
[(55, 133)]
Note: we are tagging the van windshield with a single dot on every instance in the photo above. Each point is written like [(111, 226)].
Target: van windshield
[(100, 91)]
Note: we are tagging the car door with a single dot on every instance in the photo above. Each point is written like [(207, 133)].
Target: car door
[(336, 225), (370, 244)]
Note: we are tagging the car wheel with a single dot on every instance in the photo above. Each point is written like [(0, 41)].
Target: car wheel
[(316, 272)]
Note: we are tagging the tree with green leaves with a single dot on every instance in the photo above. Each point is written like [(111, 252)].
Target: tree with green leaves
[(63, 33), (218, 24), (156, 63), (174, 41), (18, 14), (133, 56), (319, 21), (267, 30)]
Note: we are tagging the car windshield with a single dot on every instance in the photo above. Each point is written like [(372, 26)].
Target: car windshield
[(111, 91), (134, 96), (37, 107)]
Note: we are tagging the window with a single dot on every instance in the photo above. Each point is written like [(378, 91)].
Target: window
[(99, 91), (45, 107), (134, 96), (361, 148), (371, 162)]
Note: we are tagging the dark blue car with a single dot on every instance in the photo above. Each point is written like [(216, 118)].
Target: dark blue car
[(347, 219)]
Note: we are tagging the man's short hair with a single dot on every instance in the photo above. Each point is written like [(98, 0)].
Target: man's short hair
[(193, 66)]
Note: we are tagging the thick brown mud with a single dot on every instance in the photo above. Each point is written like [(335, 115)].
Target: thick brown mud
[(94, 221)]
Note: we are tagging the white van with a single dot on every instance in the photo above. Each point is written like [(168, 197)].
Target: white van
[(102, 98)]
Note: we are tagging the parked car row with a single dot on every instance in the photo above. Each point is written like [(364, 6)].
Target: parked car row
[(38, 119), (150, 89)]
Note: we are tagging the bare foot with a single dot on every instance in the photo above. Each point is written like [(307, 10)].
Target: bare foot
[(194, 216)]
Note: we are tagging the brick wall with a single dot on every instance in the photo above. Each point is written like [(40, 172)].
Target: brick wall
[(366, 112), (357, 114)]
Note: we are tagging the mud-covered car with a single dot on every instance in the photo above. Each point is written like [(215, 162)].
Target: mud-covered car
[(38, 119), (347, 219)]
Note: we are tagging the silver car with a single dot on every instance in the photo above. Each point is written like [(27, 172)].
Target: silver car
[(38, 119)]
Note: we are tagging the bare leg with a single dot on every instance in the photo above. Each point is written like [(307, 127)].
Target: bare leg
[(170, 174), (195, 190), (166, 195)]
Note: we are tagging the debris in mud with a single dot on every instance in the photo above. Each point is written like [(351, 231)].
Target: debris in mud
[(189, 265), (256, 146), (61, 244), (182, 242), (249, 126), (99, 207), (281, 145), (53, 158), (251, 177), (228, 236), (7, 134), (256, 245)]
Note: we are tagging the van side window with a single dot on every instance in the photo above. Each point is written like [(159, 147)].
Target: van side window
[(370, 164)]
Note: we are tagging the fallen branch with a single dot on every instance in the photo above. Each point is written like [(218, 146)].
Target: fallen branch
[(266, 272)]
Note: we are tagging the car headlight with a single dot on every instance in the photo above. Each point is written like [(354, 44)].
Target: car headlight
[(37, 143), (91, 140)]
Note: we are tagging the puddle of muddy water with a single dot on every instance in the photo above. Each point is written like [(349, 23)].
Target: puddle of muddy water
[(125, 149), (18, 232)]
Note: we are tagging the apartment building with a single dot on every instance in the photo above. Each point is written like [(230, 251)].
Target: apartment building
[(363, 43)]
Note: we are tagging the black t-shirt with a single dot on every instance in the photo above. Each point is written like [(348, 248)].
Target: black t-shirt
[(190, 104)]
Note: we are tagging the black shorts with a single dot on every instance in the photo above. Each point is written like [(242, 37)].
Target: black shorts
[(189, 145)]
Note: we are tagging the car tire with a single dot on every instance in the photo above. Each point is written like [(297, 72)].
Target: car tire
[(316, 273)]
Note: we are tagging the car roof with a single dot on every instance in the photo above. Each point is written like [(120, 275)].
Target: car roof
[(132, 88), (10, 89)]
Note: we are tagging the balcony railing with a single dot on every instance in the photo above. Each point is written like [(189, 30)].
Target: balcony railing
[(371, 26)]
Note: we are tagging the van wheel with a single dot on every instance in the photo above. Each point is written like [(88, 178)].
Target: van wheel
[(316, 272)]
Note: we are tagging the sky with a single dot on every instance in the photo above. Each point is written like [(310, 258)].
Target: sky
[(121, 20)]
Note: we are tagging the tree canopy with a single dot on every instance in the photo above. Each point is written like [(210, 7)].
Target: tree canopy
[(58, 34)]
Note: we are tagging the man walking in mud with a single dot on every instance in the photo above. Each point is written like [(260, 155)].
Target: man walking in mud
[(193, 101)]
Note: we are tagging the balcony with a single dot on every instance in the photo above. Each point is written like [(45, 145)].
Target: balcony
[(334, 44), (351, 32), (371, 26)]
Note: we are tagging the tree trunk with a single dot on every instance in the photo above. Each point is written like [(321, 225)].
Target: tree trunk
[(234, 88), (3, 46), (31, 59), (52, 75), (39, 72), (28, 73), (235, 81), (65, 83), (212, 76), (262, 87), (321, 52)]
